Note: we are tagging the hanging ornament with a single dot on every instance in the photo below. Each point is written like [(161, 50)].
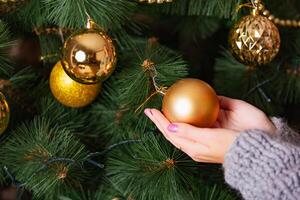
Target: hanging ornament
[(7, 6), (254, 40), (4, 113), (69, 92), (89, 55), (191, 101), (156, 1)]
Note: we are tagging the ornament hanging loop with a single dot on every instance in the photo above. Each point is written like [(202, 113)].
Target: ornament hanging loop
[(90, 22), (149, 66), (255, 5)]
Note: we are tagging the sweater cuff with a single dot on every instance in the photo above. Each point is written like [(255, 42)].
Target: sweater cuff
[(284, 132), (261, 167)]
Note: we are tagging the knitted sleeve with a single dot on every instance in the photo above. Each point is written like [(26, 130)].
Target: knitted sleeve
[(261, 166), (284, 132)]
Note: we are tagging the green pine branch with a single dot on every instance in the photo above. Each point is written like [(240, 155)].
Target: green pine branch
[(286, 87), (104, 192), (33, 14), (135, 78), (239, 81), (108, 110), (215, 8), (107, 13), (51, 47), (43, 158), (63, 117), (153, 169), (6, 67), (203, 27), (214, 192), (131, 86)]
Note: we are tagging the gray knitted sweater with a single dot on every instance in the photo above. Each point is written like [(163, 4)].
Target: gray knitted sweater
[(263, 166)]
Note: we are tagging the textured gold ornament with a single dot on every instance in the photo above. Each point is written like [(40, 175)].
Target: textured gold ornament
[(157, 1), (254, 40), (4, 113), (89, 55), (258, 6), (191, 101), (69, 92), (7, 6)]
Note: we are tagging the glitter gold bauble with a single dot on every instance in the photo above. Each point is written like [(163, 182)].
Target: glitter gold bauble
[(157, 1), (254, 40), (4, 113), (69, 92), (191, 101), (7, 6), (89, 56)]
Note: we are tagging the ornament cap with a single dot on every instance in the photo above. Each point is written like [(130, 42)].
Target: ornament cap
[(257, 7), (90, 24), (255, 12)]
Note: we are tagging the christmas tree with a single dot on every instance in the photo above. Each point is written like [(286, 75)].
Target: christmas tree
[(76, 75)]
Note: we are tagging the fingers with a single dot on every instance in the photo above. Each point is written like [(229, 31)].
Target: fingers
[(201, 144), (161, 123), (221, 115), (191, 148), (187, 144), (226, 102), (182, 130), (158, 119), (189, 132)]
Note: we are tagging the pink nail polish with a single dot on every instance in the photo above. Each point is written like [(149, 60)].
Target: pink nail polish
[(150, 111), (147, 112), (173, 128)]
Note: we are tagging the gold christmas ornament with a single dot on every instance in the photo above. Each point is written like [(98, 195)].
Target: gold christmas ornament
[(191, 101), (258, 5), (69, 92), (7, 6), (89, 55), (4, 113), (254, 40), (157, 1)]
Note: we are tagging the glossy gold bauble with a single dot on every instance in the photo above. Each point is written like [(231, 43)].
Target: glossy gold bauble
[(7, 6), (69, 92), (89, 56), (191, 101), (254, 40), (4, 113)]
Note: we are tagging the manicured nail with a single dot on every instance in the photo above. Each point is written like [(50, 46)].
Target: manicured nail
[(173, 128), (148, 112)]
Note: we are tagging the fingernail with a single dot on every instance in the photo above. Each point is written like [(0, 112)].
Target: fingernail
[(173, 128), (147, 112)]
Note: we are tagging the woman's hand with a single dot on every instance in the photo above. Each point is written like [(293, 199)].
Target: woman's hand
[(211, 144), (201, 144), (239, 116)]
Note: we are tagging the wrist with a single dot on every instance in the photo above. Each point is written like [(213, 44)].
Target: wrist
[(271, 128)]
